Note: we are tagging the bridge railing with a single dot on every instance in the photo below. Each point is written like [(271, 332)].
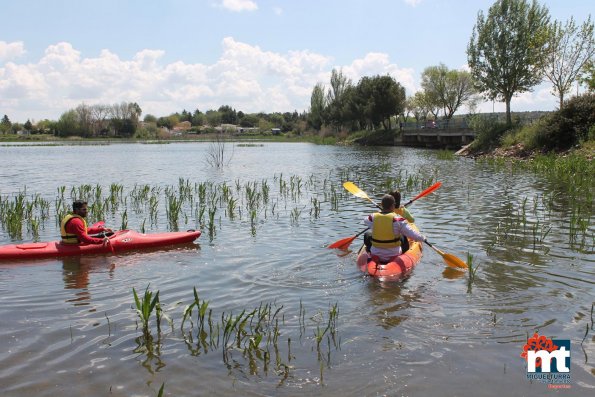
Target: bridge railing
[(440, 124)]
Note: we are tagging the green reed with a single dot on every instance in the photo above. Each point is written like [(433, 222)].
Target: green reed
[(472, 270), (255, 334), (145, 308)]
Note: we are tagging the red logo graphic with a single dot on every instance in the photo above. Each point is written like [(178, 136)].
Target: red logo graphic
[(537, 343)]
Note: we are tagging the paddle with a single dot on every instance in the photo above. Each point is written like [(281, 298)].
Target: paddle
[(356, 191), (425, 192), (344, 243), (449, 259)]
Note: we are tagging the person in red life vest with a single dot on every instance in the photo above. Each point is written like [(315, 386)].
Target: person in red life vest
[(74, 230), (387, 229)]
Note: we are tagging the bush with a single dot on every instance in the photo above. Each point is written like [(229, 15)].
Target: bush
[(570, 125), (488, 132)]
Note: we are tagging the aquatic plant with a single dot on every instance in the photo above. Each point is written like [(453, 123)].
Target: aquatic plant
[(145, 308), (472, 270)]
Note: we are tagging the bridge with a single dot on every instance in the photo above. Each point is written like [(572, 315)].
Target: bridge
[(443, 134)]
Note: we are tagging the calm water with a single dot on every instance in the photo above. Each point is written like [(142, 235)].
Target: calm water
[(68, 326)]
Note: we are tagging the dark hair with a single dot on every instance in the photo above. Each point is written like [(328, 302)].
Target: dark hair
[(387, 202), (397, 196), (78, 204)]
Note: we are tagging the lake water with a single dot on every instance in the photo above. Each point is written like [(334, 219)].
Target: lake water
[(68, 326)]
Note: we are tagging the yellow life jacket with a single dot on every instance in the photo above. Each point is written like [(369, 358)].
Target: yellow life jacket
[(405, 214), (69, 238), (383, 235)]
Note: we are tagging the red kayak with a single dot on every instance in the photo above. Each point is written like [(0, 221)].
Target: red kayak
[(398, 268), (122, 240)]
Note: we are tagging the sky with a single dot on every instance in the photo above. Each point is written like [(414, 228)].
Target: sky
[(252, 55)]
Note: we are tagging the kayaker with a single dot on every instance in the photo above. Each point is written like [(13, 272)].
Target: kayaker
[(399, 210), (74, 230), (387, 228), (404, 212)]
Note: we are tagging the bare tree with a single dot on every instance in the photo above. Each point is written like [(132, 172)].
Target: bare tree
[(217, 155), (570, 48)]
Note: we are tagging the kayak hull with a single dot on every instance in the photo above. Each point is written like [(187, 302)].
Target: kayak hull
[(120, 241), (397, 268)]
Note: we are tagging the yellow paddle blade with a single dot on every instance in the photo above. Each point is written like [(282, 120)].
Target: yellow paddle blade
[(356, 191), (454, 262)]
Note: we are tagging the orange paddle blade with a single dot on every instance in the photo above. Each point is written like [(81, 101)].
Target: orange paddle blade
[(343, 243), (425, 192)]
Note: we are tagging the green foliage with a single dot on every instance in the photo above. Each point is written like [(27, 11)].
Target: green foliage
[(588, 76), (316, 107), (379, 98), (571, 47), (447, 89), (488, 132), (145, 307), (148, 131), (568, 126), (507, 51)]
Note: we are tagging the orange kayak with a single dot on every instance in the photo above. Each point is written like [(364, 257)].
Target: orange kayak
[(122, 240), (397, 268)]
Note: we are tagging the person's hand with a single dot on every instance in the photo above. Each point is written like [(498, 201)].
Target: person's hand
[(106, 241)]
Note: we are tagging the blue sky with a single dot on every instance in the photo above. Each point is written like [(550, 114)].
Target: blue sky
[(253, 55)]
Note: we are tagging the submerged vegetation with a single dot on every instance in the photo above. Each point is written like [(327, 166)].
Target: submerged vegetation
[(259, 340), (197, 205)]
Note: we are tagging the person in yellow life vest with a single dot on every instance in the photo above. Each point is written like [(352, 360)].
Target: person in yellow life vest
[(399, 210), (387, 228), (74, 230)]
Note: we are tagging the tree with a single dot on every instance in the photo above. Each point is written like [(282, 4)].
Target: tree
[(449, 89), (213, 118), (316, 107), (68, 124), (570, 48), (5, 124), (507, 50), (28, 125), (149, 118), (335, 99), (381, 97), (588, 76), (417, 106), (228, 115)]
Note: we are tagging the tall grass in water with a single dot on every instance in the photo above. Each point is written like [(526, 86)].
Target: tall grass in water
[(472, 270), (145, 308), (255, 335)]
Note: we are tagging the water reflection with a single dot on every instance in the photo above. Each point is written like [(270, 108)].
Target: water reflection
[(389, 301), (453, 274), (75, 273)]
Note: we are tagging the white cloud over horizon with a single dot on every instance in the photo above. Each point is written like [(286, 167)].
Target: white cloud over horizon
[(239, 5), (10, 51), (244, 77)]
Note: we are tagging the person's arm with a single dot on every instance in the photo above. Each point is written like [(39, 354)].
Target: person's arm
[(98, 229), (369, 221), (75, 226), (404, 212), (401, 227)]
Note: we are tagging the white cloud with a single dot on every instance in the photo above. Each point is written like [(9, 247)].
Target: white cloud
[(10, 51), (245, 77), (375, 63), (239, 5), (412, 3)]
